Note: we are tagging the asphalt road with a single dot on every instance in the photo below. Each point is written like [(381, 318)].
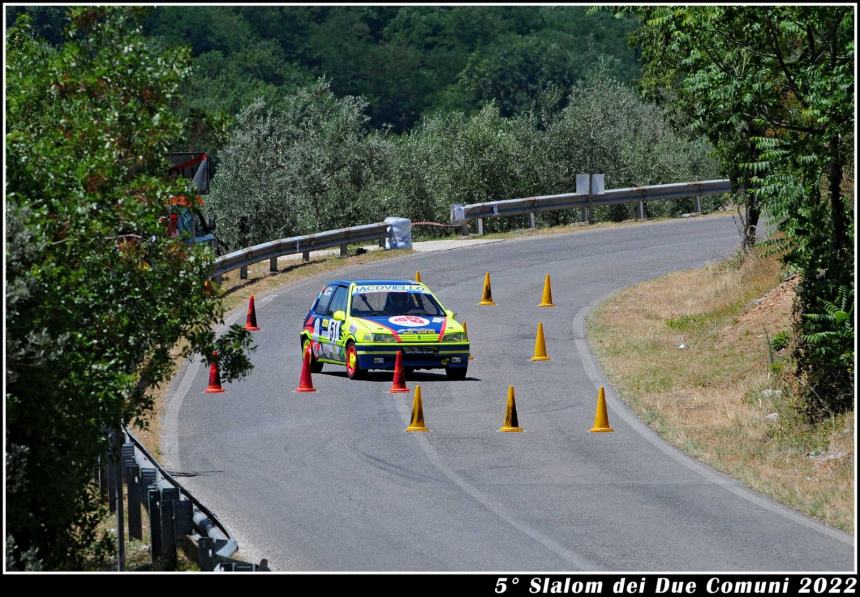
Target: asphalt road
[(330, 481)]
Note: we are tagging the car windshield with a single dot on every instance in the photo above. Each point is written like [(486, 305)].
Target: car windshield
[(370, 304)]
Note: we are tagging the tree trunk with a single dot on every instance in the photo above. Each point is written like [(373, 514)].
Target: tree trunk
[(839, 236), (751, 225)]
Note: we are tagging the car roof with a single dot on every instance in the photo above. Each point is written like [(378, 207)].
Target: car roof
[(366, 282)]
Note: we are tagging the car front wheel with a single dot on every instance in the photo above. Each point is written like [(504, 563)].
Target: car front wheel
[(353, 371)]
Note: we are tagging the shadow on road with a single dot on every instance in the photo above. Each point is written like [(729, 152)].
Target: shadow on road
[(385, 376)]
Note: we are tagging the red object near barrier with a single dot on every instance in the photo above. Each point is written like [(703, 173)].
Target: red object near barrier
[(306, 384), (251, 320), (214, 376), (398, 384)]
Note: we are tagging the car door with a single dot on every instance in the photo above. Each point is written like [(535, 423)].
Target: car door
[(318, 316), (331, 330)]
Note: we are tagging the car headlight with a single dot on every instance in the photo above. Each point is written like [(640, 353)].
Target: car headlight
[(382, 338), (454, 337)]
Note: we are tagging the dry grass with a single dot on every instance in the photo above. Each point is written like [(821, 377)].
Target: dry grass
[(724, 397)]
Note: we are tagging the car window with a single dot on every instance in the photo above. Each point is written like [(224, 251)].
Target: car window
[(338, 301), (324, 300)]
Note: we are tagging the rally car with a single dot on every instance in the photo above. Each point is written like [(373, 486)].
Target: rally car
[(363, 323)]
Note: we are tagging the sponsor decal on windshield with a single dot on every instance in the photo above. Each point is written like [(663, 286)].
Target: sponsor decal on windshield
[(388, 288), (409, 321)]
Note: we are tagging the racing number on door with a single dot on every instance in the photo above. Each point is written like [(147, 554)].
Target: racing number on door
[(334, 330)]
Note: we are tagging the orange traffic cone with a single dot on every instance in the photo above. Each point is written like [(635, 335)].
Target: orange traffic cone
[(306, 384), (546, 298), (417, 423), (417, 276), (398, 384), (487, 293), (511, 422), (214, 386), (540, 345), (251, 320), (466, 331), (601, 420)]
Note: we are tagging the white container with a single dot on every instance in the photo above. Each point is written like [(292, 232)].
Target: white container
[(400, 236)]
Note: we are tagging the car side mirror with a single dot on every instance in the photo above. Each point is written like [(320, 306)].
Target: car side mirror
[(339, 316), (450, 314)]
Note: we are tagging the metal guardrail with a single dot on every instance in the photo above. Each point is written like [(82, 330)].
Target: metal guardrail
[(271, 250), (463, 214), (174, 514)]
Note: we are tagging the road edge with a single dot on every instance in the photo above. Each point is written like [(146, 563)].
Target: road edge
[(595, 373)]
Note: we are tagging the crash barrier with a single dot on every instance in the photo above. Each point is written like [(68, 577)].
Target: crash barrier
[(176, 518), (271, 250), (589, 193)]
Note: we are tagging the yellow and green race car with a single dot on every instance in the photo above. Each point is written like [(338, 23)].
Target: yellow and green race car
[(363, 323)]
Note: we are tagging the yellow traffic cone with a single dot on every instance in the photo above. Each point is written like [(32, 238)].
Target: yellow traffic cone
[(546, 299), (417, 276), (511, 422), (466, 331), (487, 294), (601, 420), (417, 423), (540, 345)]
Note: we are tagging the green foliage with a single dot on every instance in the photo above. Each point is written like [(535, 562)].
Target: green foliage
[(780, 340), (311, 164), (772, 89), (297, 169), (684, 322), (829, 339), (406, 62), (97, 294)]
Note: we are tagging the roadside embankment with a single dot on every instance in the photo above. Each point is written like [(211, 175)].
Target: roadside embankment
[(703, 357)]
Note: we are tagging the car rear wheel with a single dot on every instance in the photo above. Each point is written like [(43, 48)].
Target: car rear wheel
[(353, 371), (456, 372), (316, 366)]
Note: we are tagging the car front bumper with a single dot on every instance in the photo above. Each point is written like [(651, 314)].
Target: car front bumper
[(423, 355)]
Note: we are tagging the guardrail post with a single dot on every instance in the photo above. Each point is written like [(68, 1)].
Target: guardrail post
[(586, 215), (111, 484), (169, 495), (154, 523), (132, 476), (344, 250), (306, 255), (480, 226), (243, 272), (206, 554), (116, 465), (273, 264), (147, 478), (641, 210), (464, 229), (698, 204), (183, 517), (103, 477), (532, 219)]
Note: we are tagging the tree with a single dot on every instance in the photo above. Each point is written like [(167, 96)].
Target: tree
[(97, 293), (296, 169), (772, 87)]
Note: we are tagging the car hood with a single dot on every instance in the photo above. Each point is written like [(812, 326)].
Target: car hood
[(410, 325)]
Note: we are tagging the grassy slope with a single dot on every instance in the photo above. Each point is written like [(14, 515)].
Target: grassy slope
[(726, 397)]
